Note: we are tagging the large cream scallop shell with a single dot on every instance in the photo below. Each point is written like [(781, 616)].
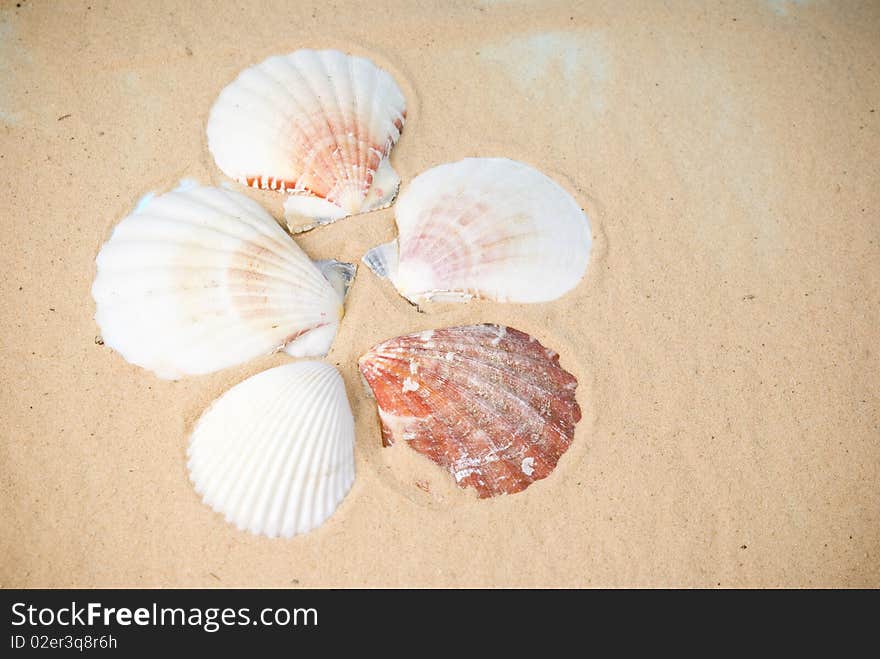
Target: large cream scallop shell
[(485, 228), (317, 124), (488, 403), (202, 278), (275, 454)]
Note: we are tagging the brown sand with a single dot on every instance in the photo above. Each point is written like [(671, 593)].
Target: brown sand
[(725, 337)]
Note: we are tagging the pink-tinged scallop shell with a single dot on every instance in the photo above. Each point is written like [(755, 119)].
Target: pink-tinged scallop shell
[(318, 125), (486, 228), (488, 403)]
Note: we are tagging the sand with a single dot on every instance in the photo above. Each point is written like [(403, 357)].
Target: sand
[(725, 336)]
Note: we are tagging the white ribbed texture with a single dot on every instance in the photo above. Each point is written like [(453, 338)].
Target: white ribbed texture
[(202, 278), (317, 124), (275, 454), (488, 228)]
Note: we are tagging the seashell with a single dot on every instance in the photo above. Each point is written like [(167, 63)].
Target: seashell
[(202, 278), (488, 403), (484, 228), (275, 454), (319, 125)]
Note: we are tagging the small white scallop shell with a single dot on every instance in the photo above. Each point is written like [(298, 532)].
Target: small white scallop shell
[(317, 124), (485, 228), (275, 454), (202, 278)]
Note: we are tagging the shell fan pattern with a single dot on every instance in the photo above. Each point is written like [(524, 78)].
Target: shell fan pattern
[(203, 278)]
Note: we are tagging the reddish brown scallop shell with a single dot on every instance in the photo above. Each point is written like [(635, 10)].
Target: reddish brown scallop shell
[(488, 403)]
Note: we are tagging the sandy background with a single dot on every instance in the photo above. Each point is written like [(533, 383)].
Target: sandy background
[(725, 337)]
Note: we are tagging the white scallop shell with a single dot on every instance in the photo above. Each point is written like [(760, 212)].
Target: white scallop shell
[(317, 124), (487, 228), (202, 278), (275, 454)]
